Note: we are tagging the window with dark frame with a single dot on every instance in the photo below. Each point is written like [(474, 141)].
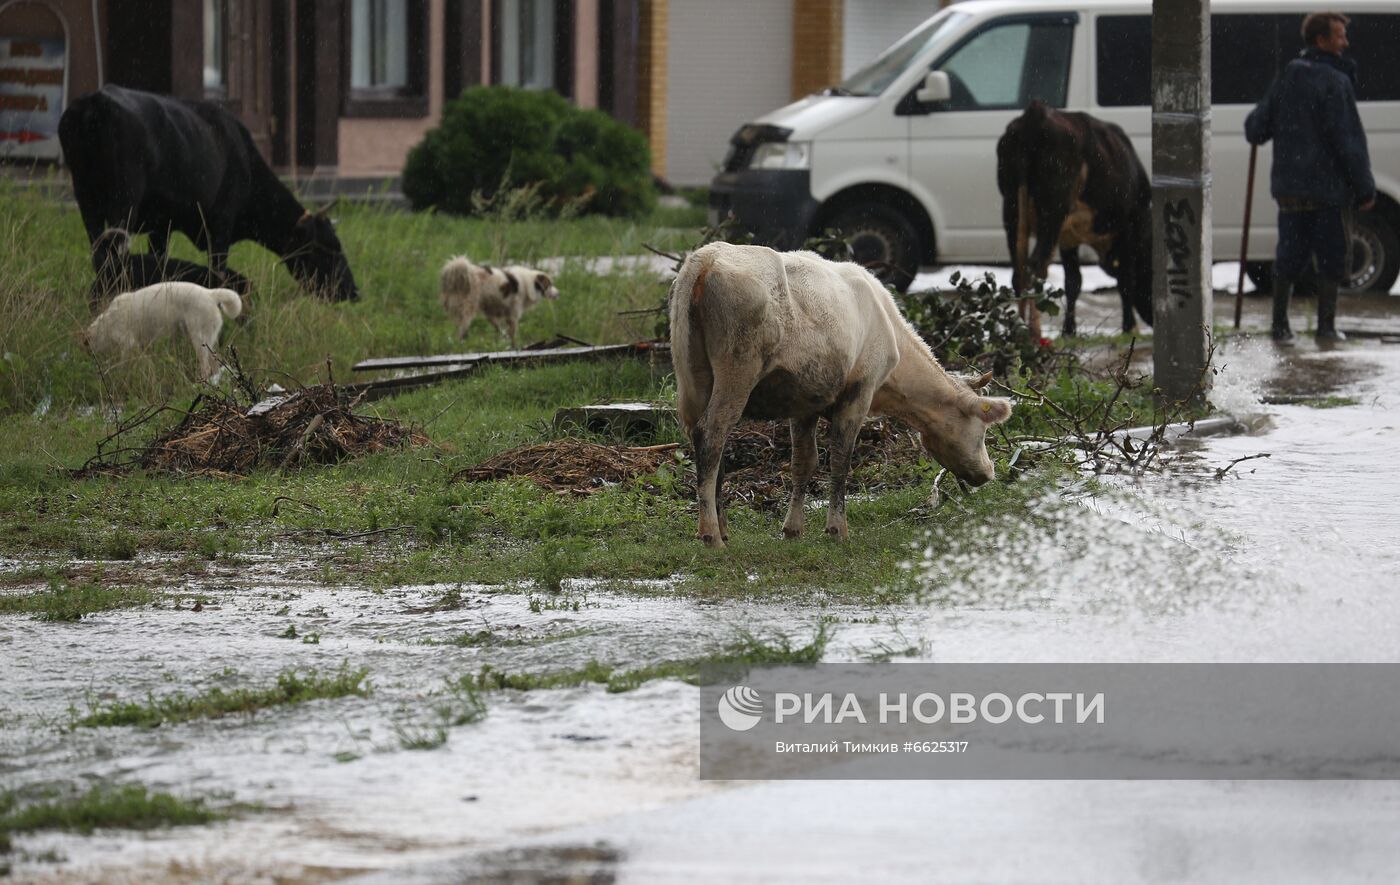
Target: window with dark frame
[(385, 73), (532, 44), (215, 48), (1008, 65), (1247, 52)]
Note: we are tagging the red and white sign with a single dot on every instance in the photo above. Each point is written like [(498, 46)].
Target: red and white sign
[(33, 80)]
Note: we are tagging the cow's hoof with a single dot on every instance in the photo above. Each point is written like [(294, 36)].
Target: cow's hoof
[(838, 532), (712, 541), (791, 532)]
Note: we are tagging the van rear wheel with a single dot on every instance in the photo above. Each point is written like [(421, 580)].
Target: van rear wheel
[(881, 239), (1375, 255), (1375, 261)]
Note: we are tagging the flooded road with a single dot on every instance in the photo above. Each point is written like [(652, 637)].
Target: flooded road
[(1292, 557)]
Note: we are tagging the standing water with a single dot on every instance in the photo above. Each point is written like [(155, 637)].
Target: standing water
[(1286, 558)]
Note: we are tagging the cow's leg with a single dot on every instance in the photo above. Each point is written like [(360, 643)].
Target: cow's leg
[(218, 256), (719, 501), (159, 243), (95, 223), (845, 420), (727, 400), (1074, 283), (1127, 287), (804, 464)]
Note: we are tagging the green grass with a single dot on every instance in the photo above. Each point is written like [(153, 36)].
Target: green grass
[(59, 407), (291, 687), (395, 256), (129, 807), (64, 601), (1328, 402)]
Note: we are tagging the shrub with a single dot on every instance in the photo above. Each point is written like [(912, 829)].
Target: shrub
[(495, 138), (976, 324)]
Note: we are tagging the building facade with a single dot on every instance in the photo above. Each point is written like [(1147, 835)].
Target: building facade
[(347, 87), (325, 86)]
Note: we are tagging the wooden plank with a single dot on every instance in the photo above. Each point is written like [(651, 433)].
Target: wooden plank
[(372, 390), (622, 419), (368, 390), (553, 354)]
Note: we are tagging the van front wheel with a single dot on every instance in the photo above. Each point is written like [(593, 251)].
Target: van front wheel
[(881, 239)]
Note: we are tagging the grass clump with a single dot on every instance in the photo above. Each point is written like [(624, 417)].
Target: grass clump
[(71, 601), (748, 651), (129, 807), (291, 687), (462, 704)]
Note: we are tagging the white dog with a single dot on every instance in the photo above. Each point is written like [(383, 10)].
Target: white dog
[(135, 319), (501, 293)]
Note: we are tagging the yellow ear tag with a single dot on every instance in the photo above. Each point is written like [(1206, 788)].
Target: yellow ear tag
[(986, 407)]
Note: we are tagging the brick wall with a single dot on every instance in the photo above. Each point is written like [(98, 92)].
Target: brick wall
[(651, 88), (817, 38)]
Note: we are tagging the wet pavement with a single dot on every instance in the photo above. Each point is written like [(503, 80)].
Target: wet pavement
[(1287, 558)]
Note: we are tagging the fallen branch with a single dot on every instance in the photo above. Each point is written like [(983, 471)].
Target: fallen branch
[(1221, 471)]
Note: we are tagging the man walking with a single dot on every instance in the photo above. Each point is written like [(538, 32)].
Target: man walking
[(1321, 171)]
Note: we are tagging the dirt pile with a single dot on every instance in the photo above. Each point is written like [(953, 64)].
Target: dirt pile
[(219, 436), (572, 465)]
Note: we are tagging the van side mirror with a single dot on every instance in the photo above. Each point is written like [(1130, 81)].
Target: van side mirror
[(936, 88)]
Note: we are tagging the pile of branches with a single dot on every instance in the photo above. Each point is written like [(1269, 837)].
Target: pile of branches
[(757, 459), (227, 435)]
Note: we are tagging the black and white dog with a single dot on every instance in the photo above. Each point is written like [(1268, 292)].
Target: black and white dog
[(501, 293)]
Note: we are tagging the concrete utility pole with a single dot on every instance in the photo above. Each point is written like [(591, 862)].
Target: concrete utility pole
[(1181, 214)]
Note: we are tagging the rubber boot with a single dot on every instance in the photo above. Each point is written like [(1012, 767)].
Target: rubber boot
[(1327, 312), (1283, 290)]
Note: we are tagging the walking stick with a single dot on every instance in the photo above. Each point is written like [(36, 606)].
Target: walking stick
[(1244, 237)]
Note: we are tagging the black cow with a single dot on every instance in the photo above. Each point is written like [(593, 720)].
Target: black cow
[(1070, 179), (154, 164), (120, 270)]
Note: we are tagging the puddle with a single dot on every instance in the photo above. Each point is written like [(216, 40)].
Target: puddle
[(539, 761)]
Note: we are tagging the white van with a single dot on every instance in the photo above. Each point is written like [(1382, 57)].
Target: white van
[(914, 183)]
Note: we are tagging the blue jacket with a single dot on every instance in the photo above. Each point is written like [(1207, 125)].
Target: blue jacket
[(1319, 146)]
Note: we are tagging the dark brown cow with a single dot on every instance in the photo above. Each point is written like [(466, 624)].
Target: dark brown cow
[(1069, 179)]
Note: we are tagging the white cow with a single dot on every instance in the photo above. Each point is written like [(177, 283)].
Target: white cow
[(791, 335)]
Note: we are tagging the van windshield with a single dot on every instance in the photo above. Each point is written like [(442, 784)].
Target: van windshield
[(875, 77)]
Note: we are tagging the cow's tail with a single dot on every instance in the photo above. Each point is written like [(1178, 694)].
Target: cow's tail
[(1023, 232), (230, 305), (687, 305)]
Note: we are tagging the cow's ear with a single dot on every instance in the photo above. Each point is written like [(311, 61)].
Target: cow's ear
[(512, 284), (993, 409), (543, 284)]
